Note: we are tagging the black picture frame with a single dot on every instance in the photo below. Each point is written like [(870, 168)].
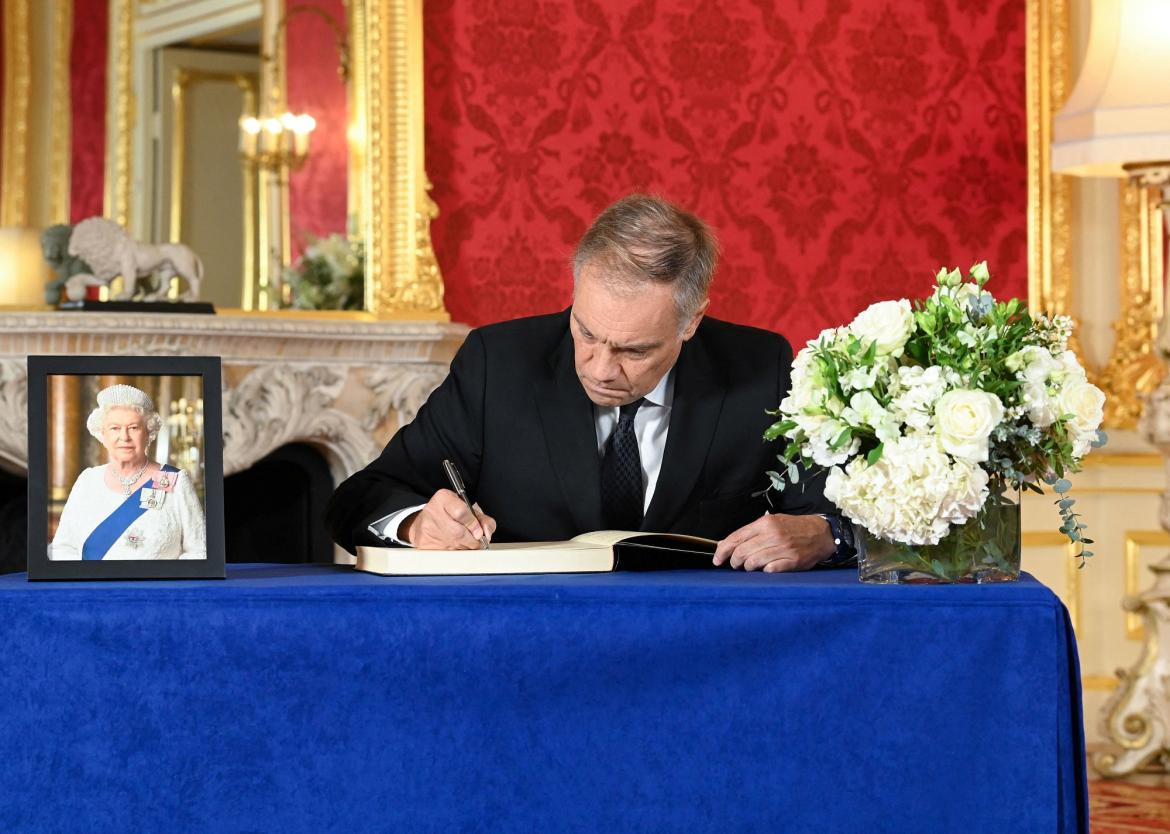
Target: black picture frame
[(40, 369)]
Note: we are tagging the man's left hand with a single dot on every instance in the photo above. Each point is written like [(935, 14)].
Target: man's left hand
[(777, 542)]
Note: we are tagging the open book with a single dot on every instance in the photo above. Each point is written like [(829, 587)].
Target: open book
[(597, 552)]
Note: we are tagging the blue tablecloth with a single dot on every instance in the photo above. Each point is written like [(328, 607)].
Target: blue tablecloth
[(318, 699)]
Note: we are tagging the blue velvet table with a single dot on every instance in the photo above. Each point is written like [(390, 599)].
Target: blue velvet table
[(319, 699)]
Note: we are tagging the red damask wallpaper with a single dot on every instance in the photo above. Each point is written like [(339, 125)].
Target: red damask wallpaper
[(842, 149), (317, 192), (87, 96)]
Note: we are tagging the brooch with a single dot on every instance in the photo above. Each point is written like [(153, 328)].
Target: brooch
[(134, 538)]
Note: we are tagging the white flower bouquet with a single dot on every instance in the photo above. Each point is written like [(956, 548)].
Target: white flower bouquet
[(926, 414), (329, 275)]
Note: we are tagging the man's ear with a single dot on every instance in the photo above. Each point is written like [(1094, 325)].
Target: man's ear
[(693, 324)]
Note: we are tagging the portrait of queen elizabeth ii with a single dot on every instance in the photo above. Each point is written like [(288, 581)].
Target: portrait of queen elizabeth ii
[(129, 507)]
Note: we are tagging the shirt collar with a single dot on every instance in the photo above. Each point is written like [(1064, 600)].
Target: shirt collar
[(663, 393)]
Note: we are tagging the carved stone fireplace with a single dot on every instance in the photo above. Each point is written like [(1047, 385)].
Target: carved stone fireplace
[(341, 385)]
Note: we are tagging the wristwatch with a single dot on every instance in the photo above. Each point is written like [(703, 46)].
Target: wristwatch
[(842, 531)]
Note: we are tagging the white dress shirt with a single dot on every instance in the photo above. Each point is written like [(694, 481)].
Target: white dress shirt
[(651, 424)]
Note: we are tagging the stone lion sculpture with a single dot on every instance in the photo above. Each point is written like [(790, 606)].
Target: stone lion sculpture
[(55, 248), (111, 252)]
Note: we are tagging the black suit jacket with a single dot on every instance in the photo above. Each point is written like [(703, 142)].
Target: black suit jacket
[(513, 415)]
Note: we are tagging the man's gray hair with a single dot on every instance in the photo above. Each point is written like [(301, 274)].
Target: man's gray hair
[(645, 238)]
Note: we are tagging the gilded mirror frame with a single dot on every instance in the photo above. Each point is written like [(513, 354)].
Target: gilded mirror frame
[(403, 280)]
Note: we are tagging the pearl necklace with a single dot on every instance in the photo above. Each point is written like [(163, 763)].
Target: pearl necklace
[(128, 482)]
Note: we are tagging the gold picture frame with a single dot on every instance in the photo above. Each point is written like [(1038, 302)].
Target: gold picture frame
[(403, 280)]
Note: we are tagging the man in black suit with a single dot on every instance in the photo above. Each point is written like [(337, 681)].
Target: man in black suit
[(630, 410)]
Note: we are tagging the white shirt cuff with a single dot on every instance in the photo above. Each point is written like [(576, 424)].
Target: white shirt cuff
[(386, 527)]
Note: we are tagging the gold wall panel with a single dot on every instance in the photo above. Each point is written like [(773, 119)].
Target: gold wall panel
[(1072, 571), (61, 140), (1135, 540), (1134, 368), (1050, 286), (17, 99), (120, 111)]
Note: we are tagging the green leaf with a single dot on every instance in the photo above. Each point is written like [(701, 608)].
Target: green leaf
[(1062, 485), (1065, 503), (875, 454), (842, 440), (778, 429)]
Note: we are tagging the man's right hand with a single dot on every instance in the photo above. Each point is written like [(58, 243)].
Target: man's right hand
[(446, 524)]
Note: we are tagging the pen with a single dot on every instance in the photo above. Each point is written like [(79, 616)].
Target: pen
[(457, 484)]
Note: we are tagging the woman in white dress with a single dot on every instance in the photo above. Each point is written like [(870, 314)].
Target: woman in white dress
[(130, 507)]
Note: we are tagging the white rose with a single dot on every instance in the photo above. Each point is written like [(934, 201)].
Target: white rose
[(1085, 402), (964, 420), (887, 323)]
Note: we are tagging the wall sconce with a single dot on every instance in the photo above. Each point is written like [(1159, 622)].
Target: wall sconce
[(281, 142), (276, 142), (1116, 123)]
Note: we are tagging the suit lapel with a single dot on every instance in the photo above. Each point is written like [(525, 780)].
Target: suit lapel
[(570, 434), (699, 390)]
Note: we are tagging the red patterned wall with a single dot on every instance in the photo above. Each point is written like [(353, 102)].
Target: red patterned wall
[(317, 192), (842, 149), (87, 96)]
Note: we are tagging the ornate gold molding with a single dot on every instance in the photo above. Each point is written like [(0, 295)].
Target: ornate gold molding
[(402, 274), (1135, 368), (17, 98), (120, 111), (1050, 286), (61, 141)]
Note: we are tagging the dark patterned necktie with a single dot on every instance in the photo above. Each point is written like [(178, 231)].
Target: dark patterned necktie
[(621, 474)]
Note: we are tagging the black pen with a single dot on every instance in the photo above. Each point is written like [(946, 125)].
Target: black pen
[(457, 484)]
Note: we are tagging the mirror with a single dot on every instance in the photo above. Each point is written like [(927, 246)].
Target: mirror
[(183, 75)]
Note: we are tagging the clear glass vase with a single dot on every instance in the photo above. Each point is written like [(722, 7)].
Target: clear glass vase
[(985, 549)]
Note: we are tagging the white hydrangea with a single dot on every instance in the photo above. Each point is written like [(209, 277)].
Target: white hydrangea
[(821, 439), (913, 494), (916, 390)]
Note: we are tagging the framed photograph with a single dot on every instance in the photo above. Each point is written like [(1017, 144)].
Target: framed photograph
[(125, 467)]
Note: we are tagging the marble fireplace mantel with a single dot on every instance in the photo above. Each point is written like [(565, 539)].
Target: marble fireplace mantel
[(339, 384)]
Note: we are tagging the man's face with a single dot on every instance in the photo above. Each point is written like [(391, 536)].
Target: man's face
[(624, 339)]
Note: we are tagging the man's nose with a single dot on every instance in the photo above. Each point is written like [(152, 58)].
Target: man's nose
[(605, 365)]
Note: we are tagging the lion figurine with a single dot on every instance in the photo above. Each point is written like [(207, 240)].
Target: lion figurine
[(55, 248), (111, 252)]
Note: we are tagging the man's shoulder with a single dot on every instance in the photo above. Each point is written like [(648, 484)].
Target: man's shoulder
[(721, 336), (529, 333)]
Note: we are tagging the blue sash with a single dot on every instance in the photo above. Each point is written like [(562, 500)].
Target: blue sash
[(116, 523)]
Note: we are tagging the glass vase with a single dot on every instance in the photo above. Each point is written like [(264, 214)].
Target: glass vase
[(985, 549)]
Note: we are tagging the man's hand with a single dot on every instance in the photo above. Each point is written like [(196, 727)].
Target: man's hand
[(445, 524), (777, 543)]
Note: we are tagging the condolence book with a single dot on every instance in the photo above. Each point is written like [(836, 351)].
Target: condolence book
[(597, 552)]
